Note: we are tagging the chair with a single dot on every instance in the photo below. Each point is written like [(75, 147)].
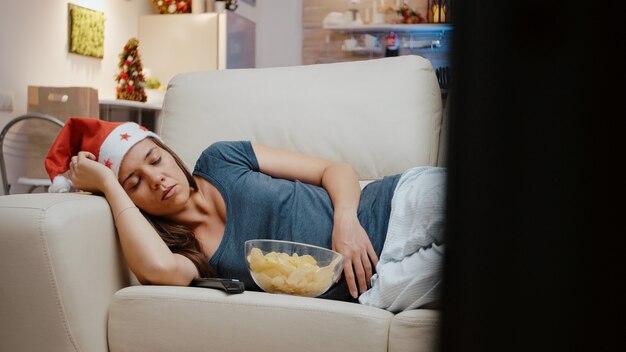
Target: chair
[(28, 137)]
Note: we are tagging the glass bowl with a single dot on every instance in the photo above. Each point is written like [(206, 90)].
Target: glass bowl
[(291, 267)]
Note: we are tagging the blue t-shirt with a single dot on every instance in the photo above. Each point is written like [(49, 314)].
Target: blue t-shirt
[(259, 206)]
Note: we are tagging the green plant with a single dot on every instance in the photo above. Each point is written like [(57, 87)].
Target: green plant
[(153, 83)]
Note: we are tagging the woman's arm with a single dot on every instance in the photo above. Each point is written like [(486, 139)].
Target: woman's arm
[(341, 182), (147, 255)]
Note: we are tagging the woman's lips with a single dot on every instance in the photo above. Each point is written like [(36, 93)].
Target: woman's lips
[(169, 191)]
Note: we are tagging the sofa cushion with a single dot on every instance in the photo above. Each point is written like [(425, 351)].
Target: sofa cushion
[(165, 318), (414, 330), (382, 116)]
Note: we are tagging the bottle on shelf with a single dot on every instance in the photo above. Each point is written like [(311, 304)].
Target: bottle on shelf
[(392, 47), (354, 8)]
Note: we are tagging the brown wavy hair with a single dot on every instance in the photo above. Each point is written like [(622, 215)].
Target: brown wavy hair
[(179, 238)]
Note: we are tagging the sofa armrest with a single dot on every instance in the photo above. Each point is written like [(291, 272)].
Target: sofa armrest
[(60, 265)]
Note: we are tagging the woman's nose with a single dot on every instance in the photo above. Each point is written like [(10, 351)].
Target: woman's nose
[(157, 182)]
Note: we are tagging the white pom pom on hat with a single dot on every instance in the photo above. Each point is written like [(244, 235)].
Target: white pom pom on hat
[(108, 141), (60, 184)]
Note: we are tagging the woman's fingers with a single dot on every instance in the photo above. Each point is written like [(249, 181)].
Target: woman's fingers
[(81, 155), (359, 272), (372, 262), (351, 240), (348, 273), (76, 159), (367, 267), (87, 155), (373, 257)]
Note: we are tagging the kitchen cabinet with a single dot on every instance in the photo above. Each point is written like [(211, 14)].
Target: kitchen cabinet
[(430, 40), (411, 36), (171, 44)]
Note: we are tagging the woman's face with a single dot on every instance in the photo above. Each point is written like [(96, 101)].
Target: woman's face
[(155, 183)]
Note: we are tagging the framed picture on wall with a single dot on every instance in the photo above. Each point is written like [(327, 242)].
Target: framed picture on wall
[(86, 31)]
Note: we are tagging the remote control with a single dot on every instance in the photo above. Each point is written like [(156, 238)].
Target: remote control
[(226, 285)]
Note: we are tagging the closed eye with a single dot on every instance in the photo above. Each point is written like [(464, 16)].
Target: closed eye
[(150, 154), (136, 184)]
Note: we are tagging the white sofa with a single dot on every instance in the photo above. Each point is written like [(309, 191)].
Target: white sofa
[(64, 285)]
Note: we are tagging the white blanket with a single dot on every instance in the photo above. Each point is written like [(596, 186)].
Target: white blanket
[(408, 274)]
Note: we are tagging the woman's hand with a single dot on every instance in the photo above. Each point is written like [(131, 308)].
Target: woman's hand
[(87, 174), (351, 240)]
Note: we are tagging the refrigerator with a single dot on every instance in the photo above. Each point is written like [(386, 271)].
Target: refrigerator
[(171, 44)]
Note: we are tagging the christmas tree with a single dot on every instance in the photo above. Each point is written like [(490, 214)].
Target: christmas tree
[(130, 80)]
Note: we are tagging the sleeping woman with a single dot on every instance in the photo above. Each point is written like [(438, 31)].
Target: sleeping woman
[(175, 226)]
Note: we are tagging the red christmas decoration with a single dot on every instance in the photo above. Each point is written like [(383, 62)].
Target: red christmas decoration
[(409, 16), (172, 6), (130, 79)]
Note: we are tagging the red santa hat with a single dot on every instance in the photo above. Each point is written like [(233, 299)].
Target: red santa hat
[(108, 141)]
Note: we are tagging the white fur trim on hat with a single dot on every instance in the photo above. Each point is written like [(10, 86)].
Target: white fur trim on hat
[(118, 143)]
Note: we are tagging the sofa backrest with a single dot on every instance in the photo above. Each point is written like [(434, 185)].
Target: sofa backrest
[(382, 116)]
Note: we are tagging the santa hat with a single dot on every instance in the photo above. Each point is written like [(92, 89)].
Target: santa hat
[(108, 141)]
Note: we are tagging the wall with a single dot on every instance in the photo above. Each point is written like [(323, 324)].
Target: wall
[(34, 44), (278, 31)]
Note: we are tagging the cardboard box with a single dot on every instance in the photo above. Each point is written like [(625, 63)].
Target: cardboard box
[(59, 102), (63, 102)]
